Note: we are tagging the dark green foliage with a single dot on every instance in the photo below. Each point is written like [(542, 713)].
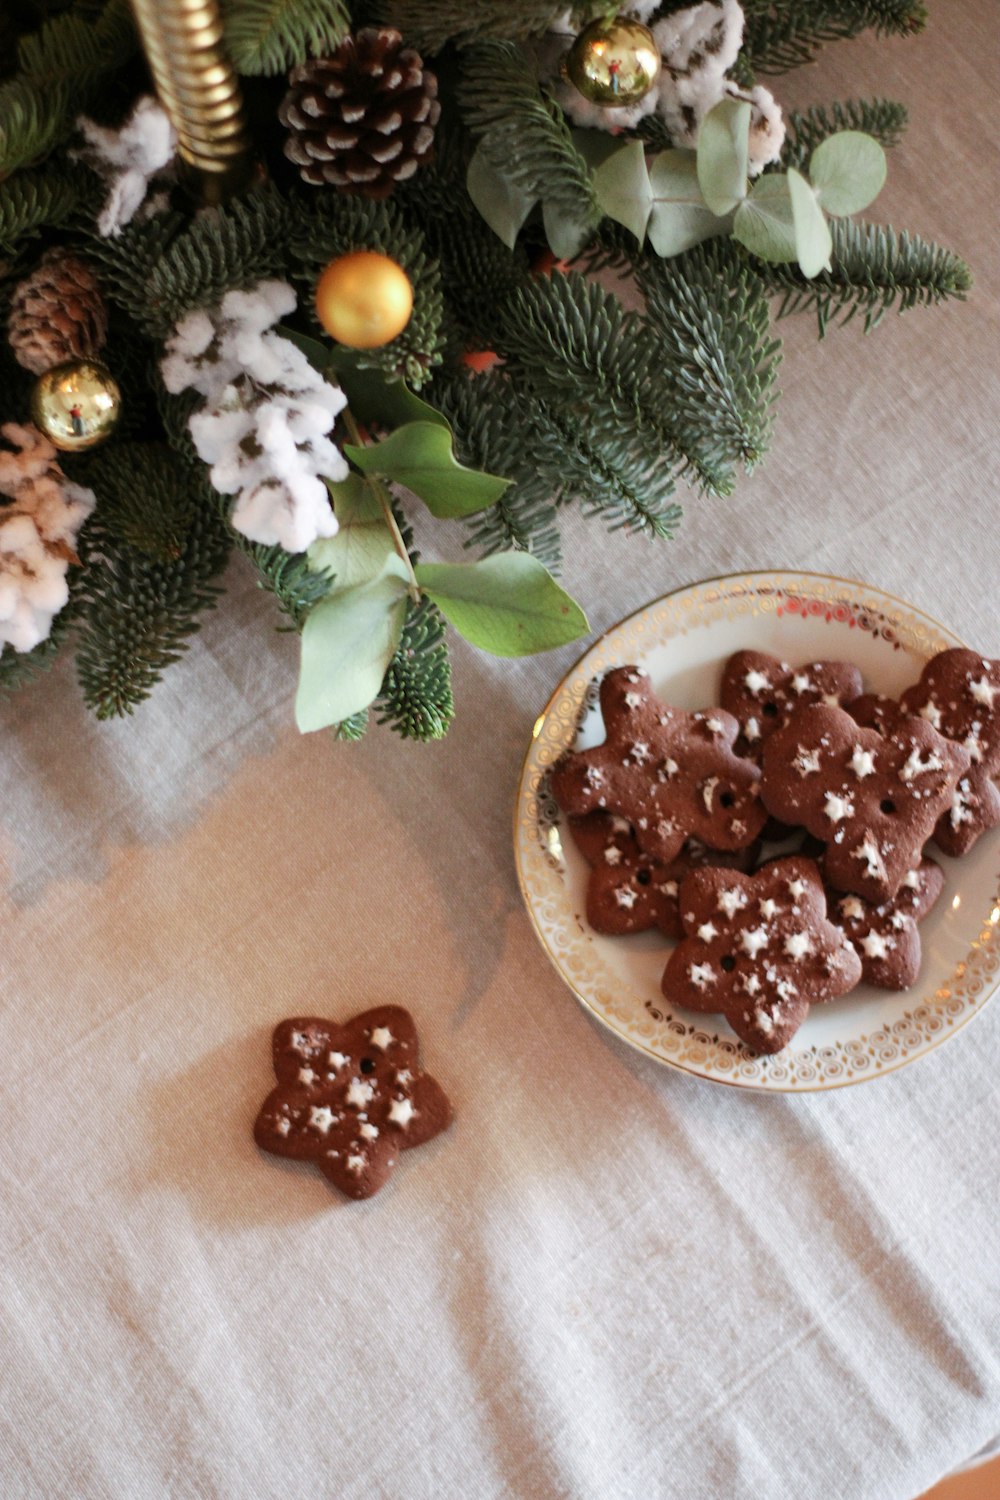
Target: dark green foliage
[(431, 23), (18, 668), (873, 269), (353, 729), (885, 119), (523, 131), (137, 611), (270, 36), (782, 34), (416, 699), (63, 68), (326, 225), (144, 502), (296, 587), (161, 268), (41, 199)]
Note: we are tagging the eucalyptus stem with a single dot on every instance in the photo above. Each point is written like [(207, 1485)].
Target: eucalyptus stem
[(381, 494)]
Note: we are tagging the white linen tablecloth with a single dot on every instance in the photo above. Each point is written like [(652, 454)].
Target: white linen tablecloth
[(608, 1281)]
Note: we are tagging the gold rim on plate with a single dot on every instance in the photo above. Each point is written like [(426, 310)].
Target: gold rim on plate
[(882, 1031)]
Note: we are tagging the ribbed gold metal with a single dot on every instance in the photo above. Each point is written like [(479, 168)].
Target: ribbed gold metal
[(198, 88)]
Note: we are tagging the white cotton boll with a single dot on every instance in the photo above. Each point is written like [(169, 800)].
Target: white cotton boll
[(128, 159), (767, 125), (193, 334), (708, 35), (257, 308), (49, 591)]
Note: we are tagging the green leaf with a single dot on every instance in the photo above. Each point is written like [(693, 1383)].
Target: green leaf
[(565, 233), (847, 171), (764, 221), (508, 604), (359, 550), (679, 217), (723, 154), (348, 641), (813, 242), (503, 203), (621, 183), (420, 455)]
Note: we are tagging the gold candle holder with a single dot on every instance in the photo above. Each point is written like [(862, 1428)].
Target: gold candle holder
[(198, 88)]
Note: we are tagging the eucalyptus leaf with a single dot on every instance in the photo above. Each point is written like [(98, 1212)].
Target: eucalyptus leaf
[(566, 235), (420, 455), (348, 641), (503, 204), (594, 146), (358, 551), (679, 217), (723, 154), (764, 222), (507, 604), (813, 241), (621, 183), (847, 171)]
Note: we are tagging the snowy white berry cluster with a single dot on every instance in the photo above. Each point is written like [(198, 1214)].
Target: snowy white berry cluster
[(38, 532), (264, 422), (698, 46)]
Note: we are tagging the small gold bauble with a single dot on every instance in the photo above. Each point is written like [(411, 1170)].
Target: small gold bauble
[(76, 404), (364, 299), (613, 62)]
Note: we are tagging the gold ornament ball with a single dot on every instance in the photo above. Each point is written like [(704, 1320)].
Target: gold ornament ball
[(364, 299), (613, 62), (76, 404)]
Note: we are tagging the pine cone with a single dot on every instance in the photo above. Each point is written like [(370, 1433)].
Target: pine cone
[(57, 313), (364, 118)]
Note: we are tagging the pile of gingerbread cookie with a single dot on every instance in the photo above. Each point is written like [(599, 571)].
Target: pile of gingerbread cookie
[(674, 810)]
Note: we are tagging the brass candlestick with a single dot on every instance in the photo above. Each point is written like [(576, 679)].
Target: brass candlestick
[(198, 88)]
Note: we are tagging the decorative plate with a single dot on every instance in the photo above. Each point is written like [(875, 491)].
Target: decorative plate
[(683, 640)]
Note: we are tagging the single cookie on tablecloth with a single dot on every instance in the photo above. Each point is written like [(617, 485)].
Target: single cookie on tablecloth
[(629, 892), (672, 774), (873, 800), (763, 693), (885, 937), (350, 1097), (975, 803), (759, 949)]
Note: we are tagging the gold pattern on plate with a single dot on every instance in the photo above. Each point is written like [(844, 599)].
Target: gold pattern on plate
[(921, 1018)]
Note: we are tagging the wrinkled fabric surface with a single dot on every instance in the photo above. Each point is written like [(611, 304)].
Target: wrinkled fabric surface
[(608, 1281)]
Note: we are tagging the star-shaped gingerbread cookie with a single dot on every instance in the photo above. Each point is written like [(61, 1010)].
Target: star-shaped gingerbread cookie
[(759, 949), (872, 800), (672, 774), (350, 1097)]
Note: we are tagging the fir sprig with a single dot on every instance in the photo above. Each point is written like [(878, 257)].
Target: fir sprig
[(885, 119), (873, 269), (271, 36), (783, 34)]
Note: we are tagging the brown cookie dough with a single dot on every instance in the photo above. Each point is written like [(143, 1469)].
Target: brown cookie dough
[(672, 774), (759, 949), (350, 1097), (872, 800), (885, 937)]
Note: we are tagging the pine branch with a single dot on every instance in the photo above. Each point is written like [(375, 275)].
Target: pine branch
[(429, 24), (160, 269), (884, 119), (143, 503), (524, 518), (137, 612), (353, 729), (41, 198), (712, 320), (295, 585), (416, 699), (19, 668), (873, 270), (328, 225), (783, 34), (271, 36), (523, 131)]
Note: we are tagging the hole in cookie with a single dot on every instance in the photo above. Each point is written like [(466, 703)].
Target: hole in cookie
[(727, 962), (644, 876), (726, 799), (771, 709), (887, 805), (367, 1065)]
